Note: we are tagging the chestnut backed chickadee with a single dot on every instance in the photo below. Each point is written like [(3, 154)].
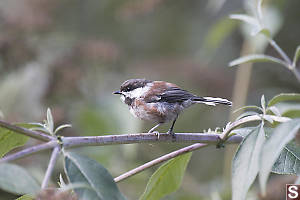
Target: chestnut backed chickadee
[(160, 101)]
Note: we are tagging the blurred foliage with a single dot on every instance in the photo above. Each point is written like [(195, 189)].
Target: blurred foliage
[(71, 55)]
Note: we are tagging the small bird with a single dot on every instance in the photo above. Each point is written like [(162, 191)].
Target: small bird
[(160, 101)]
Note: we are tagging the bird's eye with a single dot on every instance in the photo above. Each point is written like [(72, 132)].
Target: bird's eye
[(127, 89)]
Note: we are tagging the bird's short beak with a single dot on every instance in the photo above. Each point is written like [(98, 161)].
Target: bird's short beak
[(117, 92)]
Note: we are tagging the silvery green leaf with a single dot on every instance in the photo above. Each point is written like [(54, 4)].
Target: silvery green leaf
[(17, 180), (245, 163), (248, 107), (259, 10), (50, 122), (284, 97), (39, 129), (296, 56), (274, 110), (246, 114), (245, 18), (256, 58), (280, 137), (266, 32), (268, 118), (263, 103), (81, 169), (62, 127)]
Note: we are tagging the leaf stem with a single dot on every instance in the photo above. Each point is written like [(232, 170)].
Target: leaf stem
[(51, 165), (159, 160), (24, 131)]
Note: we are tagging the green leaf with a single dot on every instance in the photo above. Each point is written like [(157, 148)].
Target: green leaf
[(288, 161), (167, 178), (296, 56), (81, 169), (245, 164), (17, 180), (284, 97), (256, 58), (10, 140), (26, 197), (282, 135)]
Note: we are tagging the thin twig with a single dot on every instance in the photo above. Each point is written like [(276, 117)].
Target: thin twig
[(208, 138), (24, 131), (280, 51), (51, 165), (29, 151), (161, 159)]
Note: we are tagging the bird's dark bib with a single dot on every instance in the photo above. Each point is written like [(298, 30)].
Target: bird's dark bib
[(129, 101)]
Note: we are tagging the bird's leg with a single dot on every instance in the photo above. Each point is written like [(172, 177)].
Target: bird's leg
[(170, 131), (152, 130)]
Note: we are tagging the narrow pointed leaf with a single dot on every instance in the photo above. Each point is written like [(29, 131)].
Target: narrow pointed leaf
[(263, 102), (284, 97), (245, 18), (62, 127), (248, 107), (246, 114), (167, 178), (274, 110), (50, 121), (296, 56), (245, 164), (281, 136), (15, 179), (256, 58), (81, 169)]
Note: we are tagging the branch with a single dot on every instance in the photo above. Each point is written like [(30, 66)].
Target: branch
[(208, 138), (51, 165), (161, 159), (24, 131), (29, 151)]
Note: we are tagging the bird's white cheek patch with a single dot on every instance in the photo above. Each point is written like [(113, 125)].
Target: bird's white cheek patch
[(138, 92), (122, 98)]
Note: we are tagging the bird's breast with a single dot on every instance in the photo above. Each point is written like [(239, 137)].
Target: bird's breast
[(158, 112)]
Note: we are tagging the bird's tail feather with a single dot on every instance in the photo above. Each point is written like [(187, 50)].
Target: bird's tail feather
[(212, 101)]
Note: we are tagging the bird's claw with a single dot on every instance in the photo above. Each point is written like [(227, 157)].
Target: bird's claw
[(156, 133), (171, 133)]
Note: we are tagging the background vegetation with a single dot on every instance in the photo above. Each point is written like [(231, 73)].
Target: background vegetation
[(71, 55)]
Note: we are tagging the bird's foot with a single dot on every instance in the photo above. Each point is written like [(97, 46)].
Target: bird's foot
[(156, 133), (171, 132)]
